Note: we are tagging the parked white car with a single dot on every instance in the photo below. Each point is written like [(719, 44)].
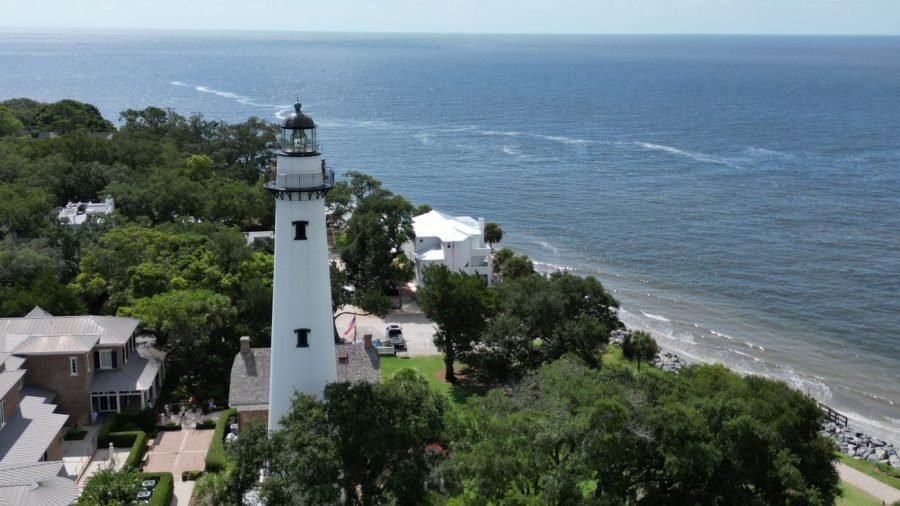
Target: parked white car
[(393, 334)]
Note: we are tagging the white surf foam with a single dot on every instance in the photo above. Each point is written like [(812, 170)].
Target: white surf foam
[(500, 133), (550, 247), (719, 334), (564, 140), (241, 99), (747, 355), (694, 155), (655, 317)]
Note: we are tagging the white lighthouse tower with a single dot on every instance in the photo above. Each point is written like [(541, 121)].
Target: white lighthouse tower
[(302, 321)]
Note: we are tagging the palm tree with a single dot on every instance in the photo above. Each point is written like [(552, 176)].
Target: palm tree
[(492, 234)]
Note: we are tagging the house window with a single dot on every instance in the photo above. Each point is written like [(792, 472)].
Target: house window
[(73, 366), (106, 359), (105, 403), (302, 338), (2, 413)]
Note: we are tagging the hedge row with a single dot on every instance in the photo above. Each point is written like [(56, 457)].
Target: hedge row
[(137, 451), (164, 491), (76, 433), (105, 429), (215, 458)]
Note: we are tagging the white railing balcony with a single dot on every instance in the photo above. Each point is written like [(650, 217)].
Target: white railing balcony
[(300, 182)]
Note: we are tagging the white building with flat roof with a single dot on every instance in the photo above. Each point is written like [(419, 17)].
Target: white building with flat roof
[(76, 213), (454, 241)]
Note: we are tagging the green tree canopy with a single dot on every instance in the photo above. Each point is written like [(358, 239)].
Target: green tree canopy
[(70, 115), (111, 488), (9, 123), (572, 435), (178, 317), (460, 305), (365, 442), (380, 224), (24, 211), (541, 319)]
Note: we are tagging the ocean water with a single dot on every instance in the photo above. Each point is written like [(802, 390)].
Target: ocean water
[(740, 195)]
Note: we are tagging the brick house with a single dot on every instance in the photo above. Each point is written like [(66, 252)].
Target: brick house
[(90, 364), (30, 428), (249, 389)]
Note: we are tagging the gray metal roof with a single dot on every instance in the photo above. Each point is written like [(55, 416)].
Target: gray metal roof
[(36, 484), (137, 375), (110, 330), (49, 396), (55, 345), (250, 372), (30, 430), (9, 379), (38, 312), (14, 362)]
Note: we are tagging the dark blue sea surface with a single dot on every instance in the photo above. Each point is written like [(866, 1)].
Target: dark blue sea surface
[(741, 195)]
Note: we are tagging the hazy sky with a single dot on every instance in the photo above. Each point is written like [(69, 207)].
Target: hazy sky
[(492, 16)]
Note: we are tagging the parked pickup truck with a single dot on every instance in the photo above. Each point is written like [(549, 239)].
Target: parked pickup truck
[(393, 334), (384, 348)]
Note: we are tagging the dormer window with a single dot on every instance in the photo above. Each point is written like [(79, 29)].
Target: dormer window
[(105, 359)]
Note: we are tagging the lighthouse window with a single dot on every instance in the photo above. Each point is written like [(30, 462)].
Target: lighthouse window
[(302, 338), (300, 230)]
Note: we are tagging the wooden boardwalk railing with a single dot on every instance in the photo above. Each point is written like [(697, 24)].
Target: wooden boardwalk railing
[(833, 416)]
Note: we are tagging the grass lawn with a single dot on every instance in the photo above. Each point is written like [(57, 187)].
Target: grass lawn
[(891, 478), (855, 497), (432, 368)]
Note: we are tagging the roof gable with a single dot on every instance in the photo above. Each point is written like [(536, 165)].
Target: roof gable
[(103, 330), (448, 229)]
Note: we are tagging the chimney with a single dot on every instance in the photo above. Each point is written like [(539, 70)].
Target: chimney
[(367, 341), (245, 344), (481, 228)]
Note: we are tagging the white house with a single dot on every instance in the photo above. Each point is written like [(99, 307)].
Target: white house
[(74, 214), (454, 241)]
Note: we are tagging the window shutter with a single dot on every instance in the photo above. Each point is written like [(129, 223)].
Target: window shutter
[(96, 360), (114, 354)]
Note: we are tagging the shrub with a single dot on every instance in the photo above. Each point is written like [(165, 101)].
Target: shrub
[(137, 451), (215, 458), (206, 424), (76, 433), (123, 439), (110, 487), (191, 475), (145, 421), (171, 426), (105, 428), (165, 488)]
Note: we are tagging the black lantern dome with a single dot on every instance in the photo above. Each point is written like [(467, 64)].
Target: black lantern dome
[(298, 134)]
